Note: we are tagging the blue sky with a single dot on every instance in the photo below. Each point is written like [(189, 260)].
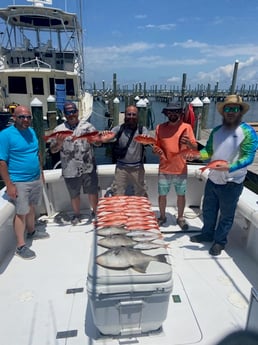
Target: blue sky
[(157, 41)]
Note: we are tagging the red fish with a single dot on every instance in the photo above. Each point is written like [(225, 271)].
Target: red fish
[(145, 139), (67, 133), (87, 136), (107, 136), (189, 152), (214, 164)]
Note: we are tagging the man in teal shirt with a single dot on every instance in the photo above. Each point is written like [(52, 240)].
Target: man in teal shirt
[(20, 170)]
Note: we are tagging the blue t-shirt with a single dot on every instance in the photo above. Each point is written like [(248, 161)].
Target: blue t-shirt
[(19, 149)]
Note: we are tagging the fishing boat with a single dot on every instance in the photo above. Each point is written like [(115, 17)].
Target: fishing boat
[(41, 59), (64, 297)]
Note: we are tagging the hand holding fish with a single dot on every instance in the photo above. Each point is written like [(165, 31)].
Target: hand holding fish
[(145, 139), (190, 154), (220, 165), (107, 136)]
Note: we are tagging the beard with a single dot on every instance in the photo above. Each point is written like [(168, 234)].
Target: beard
[(232, 122), (174, 118)]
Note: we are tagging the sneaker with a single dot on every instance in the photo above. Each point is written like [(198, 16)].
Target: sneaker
[(93, 216), (38, 235), (201, 238), (75, 219), (161, 221), (216, 249), (25, 253), (182, 223)]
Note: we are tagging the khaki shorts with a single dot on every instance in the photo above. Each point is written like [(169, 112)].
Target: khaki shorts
[(29, 194)]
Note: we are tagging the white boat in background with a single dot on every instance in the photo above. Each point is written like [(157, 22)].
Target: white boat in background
[(41, 56), (64, 297)]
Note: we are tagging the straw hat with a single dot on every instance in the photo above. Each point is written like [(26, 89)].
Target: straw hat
[(233, 99)]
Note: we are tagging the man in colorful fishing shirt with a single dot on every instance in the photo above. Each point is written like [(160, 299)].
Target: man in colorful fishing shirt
[(235, 142)]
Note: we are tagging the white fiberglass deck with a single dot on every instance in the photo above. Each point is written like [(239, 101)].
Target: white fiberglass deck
[(209, 299)]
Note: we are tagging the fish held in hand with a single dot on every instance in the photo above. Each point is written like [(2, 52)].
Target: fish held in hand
[(145, 139), (123, 258), (189, 154), (215, 164), (65, 134), (107, 136), (89, 136)]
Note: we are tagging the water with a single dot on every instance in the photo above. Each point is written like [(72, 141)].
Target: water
[(100, 122)]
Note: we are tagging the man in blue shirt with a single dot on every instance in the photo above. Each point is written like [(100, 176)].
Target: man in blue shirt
[(20, 170)]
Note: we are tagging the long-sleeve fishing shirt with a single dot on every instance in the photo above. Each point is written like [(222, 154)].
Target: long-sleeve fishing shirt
[(237, 146)]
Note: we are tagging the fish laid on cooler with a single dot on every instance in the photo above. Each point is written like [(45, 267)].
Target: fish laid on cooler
[(121, 240), (115, 241), (123, 258), (110, 231)]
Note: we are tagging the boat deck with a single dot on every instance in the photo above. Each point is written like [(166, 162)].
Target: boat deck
[(45, 301)]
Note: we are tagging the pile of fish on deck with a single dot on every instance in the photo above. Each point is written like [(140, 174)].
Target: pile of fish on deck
[(127, 227)]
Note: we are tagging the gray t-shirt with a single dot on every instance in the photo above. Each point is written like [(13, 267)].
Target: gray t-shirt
[(134, 153)]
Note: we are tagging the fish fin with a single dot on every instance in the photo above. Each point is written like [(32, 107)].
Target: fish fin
[(141, 268), (162, 258), (202, 169)]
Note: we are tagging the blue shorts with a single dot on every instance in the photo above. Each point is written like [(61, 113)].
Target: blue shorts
[(178, 181)]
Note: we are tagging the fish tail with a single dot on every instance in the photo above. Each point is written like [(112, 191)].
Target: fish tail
[(162, 258)]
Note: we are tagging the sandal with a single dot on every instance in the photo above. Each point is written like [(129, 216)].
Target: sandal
[(162, 221), (182, 223)]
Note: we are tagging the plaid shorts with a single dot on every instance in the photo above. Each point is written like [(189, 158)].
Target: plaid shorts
[(178, 181)]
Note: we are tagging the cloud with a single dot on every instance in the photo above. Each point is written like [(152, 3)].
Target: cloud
[(160, 27), (140, 16)]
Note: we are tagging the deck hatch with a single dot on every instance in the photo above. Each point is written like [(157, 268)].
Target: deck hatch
[(67, 334), (74, 290), (176, 298)]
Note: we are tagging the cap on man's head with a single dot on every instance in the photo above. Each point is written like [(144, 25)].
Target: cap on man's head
[(71, 105), (172, 106)]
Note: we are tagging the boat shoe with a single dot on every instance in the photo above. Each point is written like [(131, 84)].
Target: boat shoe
[(216, 249), (182, 223), (162, 221)]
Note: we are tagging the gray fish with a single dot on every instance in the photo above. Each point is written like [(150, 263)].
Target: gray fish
[(115, 241), (123, 258), (110, 231)]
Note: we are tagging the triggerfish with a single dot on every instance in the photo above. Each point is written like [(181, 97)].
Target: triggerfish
[(123, 258)]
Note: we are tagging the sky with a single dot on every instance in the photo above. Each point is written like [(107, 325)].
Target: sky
[(157, 41)]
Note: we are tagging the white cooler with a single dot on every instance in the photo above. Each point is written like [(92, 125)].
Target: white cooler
[(126, 302)]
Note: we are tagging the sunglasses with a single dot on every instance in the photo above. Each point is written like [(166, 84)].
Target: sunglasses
[(71, 112), (23, 117), (231, 109), (175, 111)]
